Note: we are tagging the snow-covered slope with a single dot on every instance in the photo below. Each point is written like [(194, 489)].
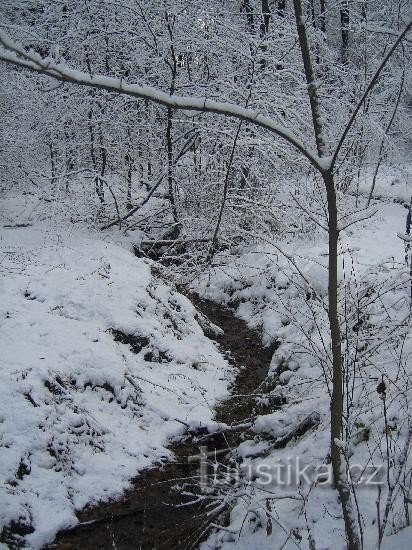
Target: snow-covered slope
[(84, 407), (284, 296)]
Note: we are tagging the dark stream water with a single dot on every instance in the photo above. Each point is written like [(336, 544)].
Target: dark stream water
[(155, 513)]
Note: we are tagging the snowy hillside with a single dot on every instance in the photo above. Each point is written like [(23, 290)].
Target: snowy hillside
[(282, 295), (101, 364)]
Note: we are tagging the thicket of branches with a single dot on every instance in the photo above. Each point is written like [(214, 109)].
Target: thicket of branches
[(244, 52)]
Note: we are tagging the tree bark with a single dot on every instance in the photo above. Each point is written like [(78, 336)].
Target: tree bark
[(93, 157), (170, 164), (344, 28), (173, 64), (266, 17), (336, 406), (52, 163), (247, 8), (322, 16), (310, 78)]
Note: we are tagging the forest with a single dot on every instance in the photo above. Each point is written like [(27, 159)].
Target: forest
[(206, 274)]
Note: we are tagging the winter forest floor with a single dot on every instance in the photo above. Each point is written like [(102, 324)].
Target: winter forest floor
[(113, 375), (156, 513)]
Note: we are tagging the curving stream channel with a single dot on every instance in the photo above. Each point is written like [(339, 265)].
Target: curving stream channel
[(155, 513)]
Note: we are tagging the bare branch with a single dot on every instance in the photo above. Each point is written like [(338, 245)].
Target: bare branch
[(311, 216), (368, 89), (357, 217)]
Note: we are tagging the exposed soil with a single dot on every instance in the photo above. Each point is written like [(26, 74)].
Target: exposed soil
[(151, 515)]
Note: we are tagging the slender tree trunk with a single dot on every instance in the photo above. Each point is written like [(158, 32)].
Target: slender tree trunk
[(247, 8), (170, 164), (140, 159), (129, 163), (264, 30), (68, 151), (266, 17), (408, 258), (103, 160), (52, 163), (310, 78), (213, 244), (322, 16), (173, 64), (312, 13), (93, 156), (344, 28), (387, 129), (336, 406)]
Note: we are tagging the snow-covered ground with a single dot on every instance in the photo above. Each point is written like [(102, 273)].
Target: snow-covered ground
[(281, 290), (81, 413)]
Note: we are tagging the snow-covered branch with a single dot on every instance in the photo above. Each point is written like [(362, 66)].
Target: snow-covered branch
[(17, 55), (356, 217), (311, 216)]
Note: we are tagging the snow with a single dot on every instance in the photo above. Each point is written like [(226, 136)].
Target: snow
[(286, 301), (399, 541), (391, 183), (80, 413)]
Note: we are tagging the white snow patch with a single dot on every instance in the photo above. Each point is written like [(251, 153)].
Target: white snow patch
[(81, 414)]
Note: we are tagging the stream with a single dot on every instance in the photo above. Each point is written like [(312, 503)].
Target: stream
[(155, 513)]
